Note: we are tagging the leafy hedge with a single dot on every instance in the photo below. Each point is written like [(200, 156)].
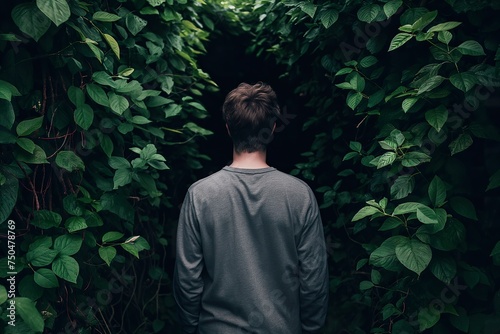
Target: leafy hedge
[(405, 154), (99, 103)]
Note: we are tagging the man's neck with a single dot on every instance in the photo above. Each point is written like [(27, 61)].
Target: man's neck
[(253, 160)]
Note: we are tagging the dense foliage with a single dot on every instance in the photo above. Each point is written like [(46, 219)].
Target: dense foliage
[(404, 157), (99, 105)]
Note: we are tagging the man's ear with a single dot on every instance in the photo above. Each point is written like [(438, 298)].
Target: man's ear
[(228, 132)]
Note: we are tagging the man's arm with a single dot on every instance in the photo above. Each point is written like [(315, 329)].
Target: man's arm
[(313, 272), (188, 283)]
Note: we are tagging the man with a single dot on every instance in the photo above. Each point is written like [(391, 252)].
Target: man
[(251, 254)]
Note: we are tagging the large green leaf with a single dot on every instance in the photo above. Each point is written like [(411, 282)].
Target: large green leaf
[(41, 256), (412, 159), (107, 254), (8, 194), (75, 223), (391, 7), (37, 157), (471, 48), (444, 26), (56, 10), (437, 117), (437, 191), (408, 207), (105, 17), (30, 20), (45, 219), (111, 236), (494, 181), (463, 207), (368, 13), (427, 215), (398, 40), (329, 17), (430, 84), (365, 212), (113, 44), (463, 142), (97, 94), (29, 126), (26, 308), (413, 254), (444, 268), (118, 103), (463, 81), (449, 237), (84, 116), (69, 161), (66, 268), (402, 186), (7, 90), (385, 255), (121, 178), (46, 278), (68, 244), (134, 23)]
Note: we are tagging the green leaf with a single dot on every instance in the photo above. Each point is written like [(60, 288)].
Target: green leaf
[(444, 268), (107, 145), (413, 254), (463, 142), (449, 237), (385, 255), (430, 84), (437, 117), (386, 159), (463, 207), (107, 254), (412, 159), (122, 177), (66, 268), (76, 96), (8, 112), (45, 219), (365, 285), (368, 61), (26, 144), (113, 44), (368, 13), (8, 90), (75, 223), (41, 256), (445, 37), (344, 85), (56, 10), (26, 308), (111, 236), (471, 48), (156, 3), (408, 207), (3, 294), (402, 186), (46, 278), (30, 20), (308, 7), (37, 157), (8, 194), (95, 50), (392, 7), (68, 244), (463, 81), (140, 120), (424, 20), (408, 103), (444, 26), (427, 318), (437, 191), (426, 215), (329, 17), (134, 23), (496, 250), (118, 163), (390, 223), (398, 40), (197, 129), (84, 116), (69, 161), (118, 103), (494, 181), (365, 212), (29, 126), (131, 249), (376, 276), (355, 146), (105, 17)]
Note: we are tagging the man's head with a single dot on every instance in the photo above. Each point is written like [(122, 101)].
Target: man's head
[(250, 113)]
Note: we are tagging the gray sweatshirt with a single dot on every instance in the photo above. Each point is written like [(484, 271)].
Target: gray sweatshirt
[(251, 255)]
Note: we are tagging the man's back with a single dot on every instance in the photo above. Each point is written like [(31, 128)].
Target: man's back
[(251, 256)]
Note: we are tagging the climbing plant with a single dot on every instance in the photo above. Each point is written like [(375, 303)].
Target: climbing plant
[(99, 103), (404, 157)]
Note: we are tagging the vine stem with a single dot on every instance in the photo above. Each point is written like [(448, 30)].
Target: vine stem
[(33, 189)]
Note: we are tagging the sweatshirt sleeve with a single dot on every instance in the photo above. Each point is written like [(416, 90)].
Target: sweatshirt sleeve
[(188, 282), (313, 271)]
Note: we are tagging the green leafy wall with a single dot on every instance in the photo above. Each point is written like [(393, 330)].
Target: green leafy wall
[(403, 97), (100, 104)]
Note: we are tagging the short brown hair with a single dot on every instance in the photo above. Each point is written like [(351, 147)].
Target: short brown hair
[(250, 112)]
